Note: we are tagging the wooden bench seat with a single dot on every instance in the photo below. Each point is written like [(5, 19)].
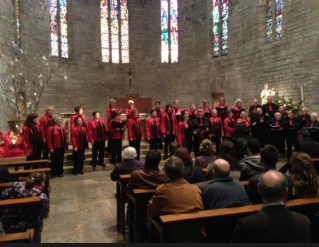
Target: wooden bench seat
[(35, 202), (166, 224), (26, 164), (137, 212), (21, 237)]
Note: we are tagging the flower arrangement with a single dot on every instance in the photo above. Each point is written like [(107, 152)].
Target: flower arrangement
[(290, 104)]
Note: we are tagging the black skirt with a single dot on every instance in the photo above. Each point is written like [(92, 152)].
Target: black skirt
[(156, 144)]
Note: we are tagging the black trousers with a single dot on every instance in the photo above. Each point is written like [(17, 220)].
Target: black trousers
[(292, 141), (57, 159), (168, 140), (137, 145), (217, 141), (277, 139), (188, 144), (156, 144), (78, 160), (98, 147), (37, 150), (116, 151), (229, 138)]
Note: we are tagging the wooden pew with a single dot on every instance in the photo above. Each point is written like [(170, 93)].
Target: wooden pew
[(26, 173), (30, 201), (26, 164), (137, 213), (21, 237), (121, 199), (167, 223)]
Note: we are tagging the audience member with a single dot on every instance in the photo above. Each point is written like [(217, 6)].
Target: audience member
[(269, 156), (177, 197), (241, 137), (128, 165), (150, 177), (251, 164), (223, 191), (5, 175), (172, 148), (192, 174), (304, 176), (206, 152), (275, 223)]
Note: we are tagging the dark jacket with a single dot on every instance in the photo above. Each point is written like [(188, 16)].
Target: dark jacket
[(310, 147), (254, 195), (274, 224), (240, 144), (274, 107), (146, 179), (204, 160), (250, 167), (224, 193), (126, 167), (5, 175), (193, 174)]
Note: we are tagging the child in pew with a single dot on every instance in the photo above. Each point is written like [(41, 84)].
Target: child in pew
[(20, 218)]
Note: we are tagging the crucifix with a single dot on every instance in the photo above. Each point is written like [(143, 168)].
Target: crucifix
[(130, 76)]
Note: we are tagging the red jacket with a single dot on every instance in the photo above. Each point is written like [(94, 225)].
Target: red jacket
[(179, 111), (109, 115), (207, 110), (166, 124), (114, 134), (83, 118), (192, 115), (45, 123), (237, 108), (149, 125), (128, 112), (215, 126), (228, 129), (180, 133), (92, 131), (160, 115), (239, 120), (54, 140), (132, 126), (78, 141), (26, 134)]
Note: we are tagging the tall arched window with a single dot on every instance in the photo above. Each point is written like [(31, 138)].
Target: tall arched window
[(274, 14), (16, 22), (169, 31), (59, 28), (115, 31), (220, 27)]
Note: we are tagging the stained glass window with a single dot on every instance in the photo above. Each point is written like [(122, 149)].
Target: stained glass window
[(59, 28), (278, 19), (216, 24), (16, 22), (169, 31), (115, 31), (271, 18), (220, 27)]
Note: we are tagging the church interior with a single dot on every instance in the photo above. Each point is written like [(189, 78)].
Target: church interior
[(89, 65)]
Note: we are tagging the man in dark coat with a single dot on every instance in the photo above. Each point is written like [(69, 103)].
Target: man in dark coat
[(274, 223)]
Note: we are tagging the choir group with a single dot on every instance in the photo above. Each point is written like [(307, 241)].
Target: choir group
[(269, 123)]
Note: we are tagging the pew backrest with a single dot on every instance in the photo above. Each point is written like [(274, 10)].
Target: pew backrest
[(40, 163)]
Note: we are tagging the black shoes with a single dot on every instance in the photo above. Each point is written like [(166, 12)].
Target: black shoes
[(61, 176), (82, 173)]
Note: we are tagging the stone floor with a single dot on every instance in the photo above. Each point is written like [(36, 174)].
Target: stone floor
[(83, 210)]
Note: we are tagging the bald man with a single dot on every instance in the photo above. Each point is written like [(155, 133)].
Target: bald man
[(270, 106), (312, 126), (275, 223), (223, 191), (304, 117)]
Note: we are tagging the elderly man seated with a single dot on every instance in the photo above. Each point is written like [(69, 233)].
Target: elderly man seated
[(128, 165), (275, 223)]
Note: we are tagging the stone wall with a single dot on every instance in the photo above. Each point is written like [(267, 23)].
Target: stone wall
[(286, 65)]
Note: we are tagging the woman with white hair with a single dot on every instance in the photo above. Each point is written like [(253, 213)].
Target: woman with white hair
[(45, 123), (128, 165), (129, 108), (57, 144), (238, 108), (243, 119)]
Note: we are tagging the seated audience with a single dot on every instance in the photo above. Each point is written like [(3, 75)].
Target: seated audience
[(20, 218), (1, 229), (223, 191), (5, 176), (269, 156), (150, 177), (241, 137), (227, 152), (191, 174), (177, 197), (304, 176), (251, 164), (172, 148), (206, 152), (128, 165), (274, 223)]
